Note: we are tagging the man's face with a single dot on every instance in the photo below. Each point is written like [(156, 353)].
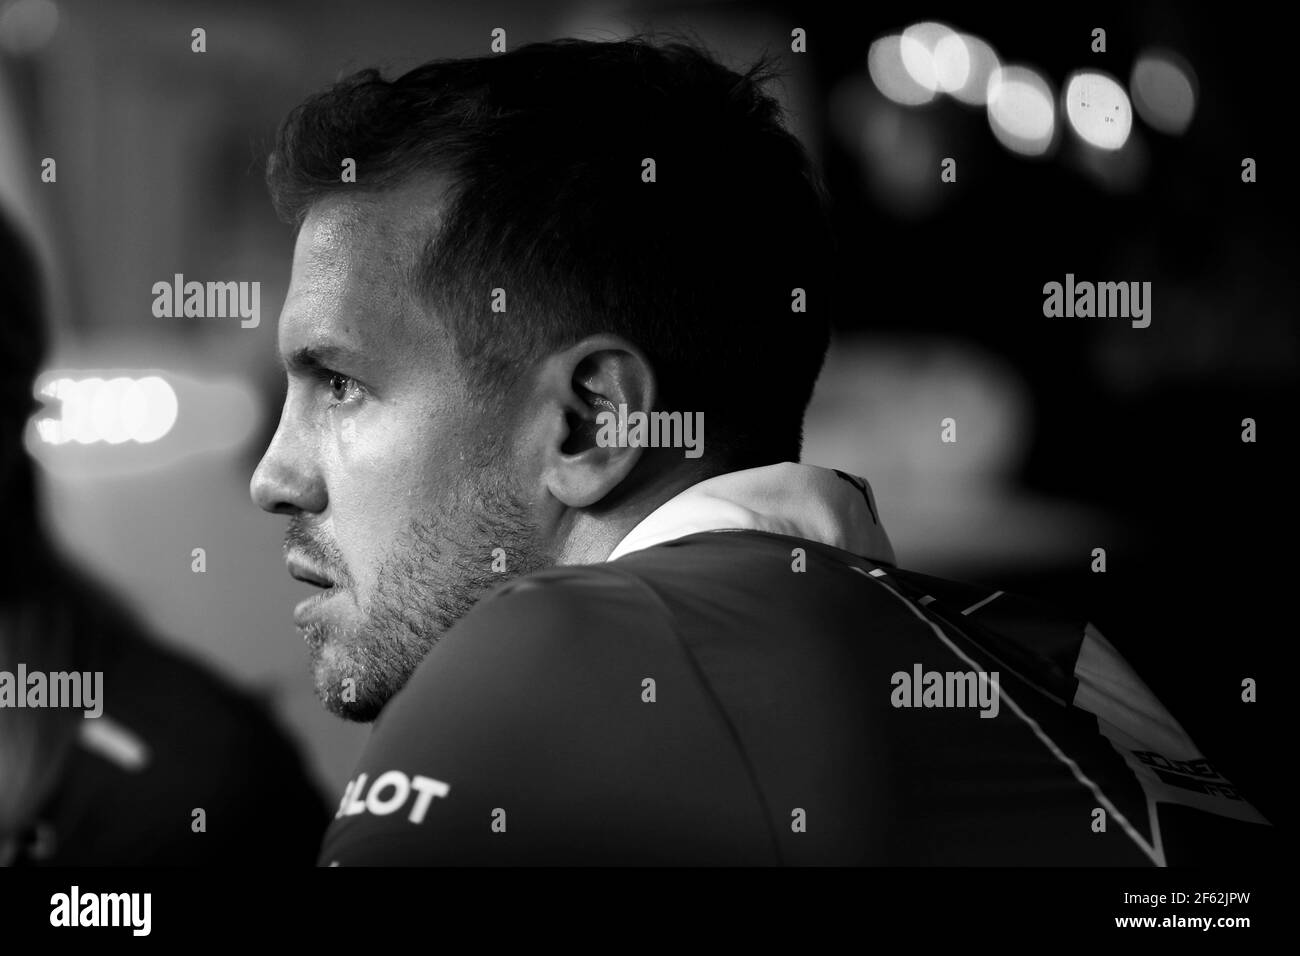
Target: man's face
[(392, 478)]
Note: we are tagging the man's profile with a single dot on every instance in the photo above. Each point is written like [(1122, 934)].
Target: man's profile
[(596, 652)]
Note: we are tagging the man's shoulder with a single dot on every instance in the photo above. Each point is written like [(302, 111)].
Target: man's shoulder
[(572, 626), (578, 591), (548, 713), (655, 594), (577, 608)]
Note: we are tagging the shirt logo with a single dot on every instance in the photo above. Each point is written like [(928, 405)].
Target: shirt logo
[(390, 792)]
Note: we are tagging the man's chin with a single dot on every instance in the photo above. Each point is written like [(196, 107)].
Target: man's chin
[(339, 685), (358, 711)]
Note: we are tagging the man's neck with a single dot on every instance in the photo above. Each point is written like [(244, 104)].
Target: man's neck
[(594, 534)]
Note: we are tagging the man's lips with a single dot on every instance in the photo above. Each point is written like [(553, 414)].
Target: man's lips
[(306, 609), (303, 571)]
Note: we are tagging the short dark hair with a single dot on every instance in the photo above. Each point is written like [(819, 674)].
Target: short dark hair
[(543, 148)]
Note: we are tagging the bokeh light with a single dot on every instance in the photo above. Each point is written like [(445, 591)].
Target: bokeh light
[(887, 64), (1020, 110), (917, 50), (27, 25), (981, 61), (951, 62), (112, 411), (1098, 109), (930, 58), (1164, 91)]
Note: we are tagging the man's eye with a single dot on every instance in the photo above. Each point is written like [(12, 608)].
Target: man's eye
[(344, 390)]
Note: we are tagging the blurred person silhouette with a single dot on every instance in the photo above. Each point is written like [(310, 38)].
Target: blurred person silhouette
[(122, 788)]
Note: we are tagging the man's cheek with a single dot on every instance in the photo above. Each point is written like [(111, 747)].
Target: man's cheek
[(366, 516), (356, 449), (356, 437), (366, 439)]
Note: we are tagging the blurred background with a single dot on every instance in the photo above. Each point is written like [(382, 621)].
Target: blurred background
[(1072, 434)]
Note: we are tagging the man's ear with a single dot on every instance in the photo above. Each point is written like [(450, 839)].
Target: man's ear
[(580, 396)]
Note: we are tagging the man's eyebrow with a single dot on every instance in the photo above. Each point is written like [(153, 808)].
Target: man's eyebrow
[(310, 358)]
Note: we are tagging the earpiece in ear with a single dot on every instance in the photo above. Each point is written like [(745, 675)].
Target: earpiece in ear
[(583, 430)]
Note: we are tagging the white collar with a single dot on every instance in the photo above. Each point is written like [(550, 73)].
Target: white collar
[(802, 501)]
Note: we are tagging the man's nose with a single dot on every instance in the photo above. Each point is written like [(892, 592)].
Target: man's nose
[(286, 480)]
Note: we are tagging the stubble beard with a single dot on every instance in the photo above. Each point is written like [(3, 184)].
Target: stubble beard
[(439, 568)]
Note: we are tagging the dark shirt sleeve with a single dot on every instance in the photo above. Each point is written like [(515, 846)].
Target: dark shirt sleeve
[(219, 783), (181, 767), (560, 722)]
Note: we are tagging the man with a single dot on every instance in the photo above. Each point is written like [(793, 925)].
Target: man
[(579, 647), (172, 766)]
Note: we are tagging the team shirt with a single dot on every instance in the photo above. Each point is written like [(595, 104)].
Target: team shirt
[(752, 680)]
